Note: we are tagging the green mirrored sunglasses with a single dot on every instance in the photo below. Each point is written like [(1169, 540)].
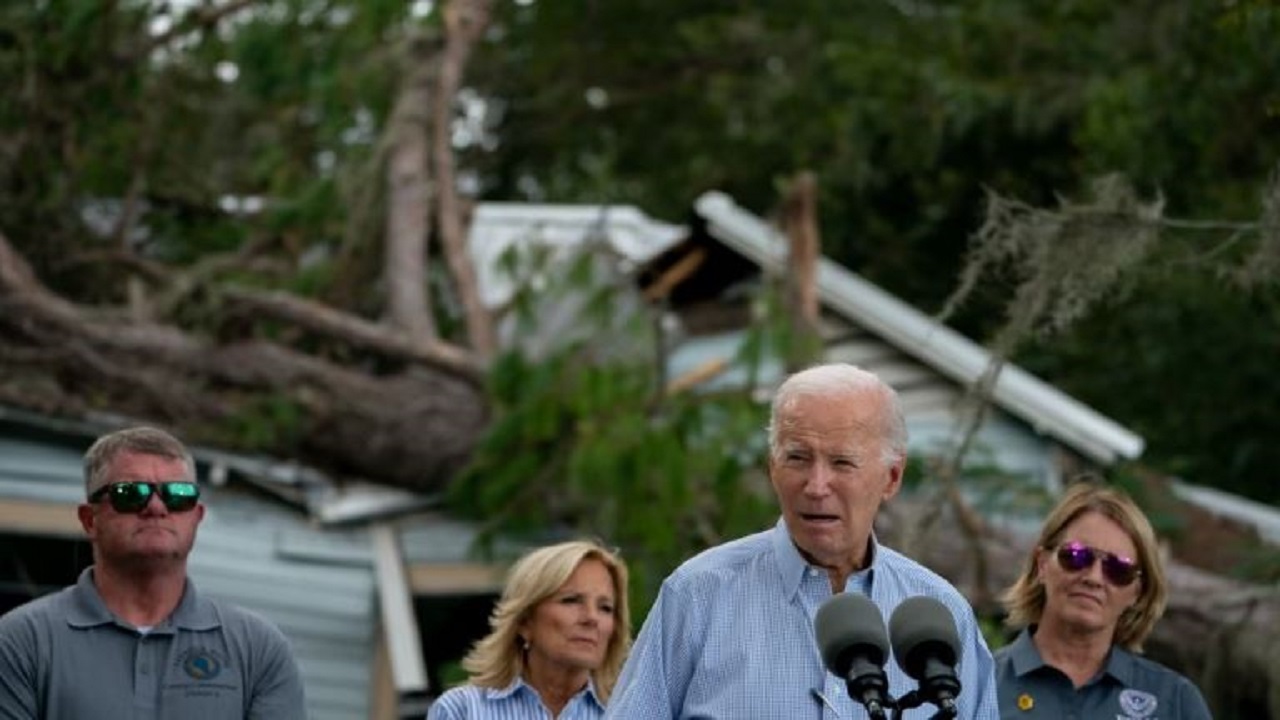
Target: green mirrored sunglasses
[(131, 496)]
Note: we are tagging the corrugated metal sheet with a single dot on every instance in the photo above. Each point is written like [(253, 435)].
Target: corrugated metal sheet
[(37, 471), (324, 603), (435, 539)]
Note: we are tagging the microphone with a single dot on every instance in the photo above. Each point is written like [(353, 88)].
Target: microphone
[(854, 645), (927, 648)]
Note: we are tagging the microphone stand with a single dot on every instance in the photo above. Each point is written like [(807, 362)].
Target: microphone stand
[(939, 685), (875, 710), (866, 683), (946, 706)]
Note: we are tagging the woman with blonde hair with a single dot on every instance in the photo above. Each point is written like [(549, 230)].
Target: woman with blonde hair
[(558, 638), (1089, 595)]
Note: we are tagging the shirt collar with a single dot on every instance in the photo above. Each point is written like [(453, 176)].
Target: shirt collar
[(1024, 654), (516, 686), (519, 685), (88, 609), (792, 565), (1026, 657), (1121, 665)]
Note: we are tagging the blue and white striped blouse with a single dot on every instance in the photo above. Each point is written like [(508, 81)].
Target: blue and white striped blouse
[(517, 701)]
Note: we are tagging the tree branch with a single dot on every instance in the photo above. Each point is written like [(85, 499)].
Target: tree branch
[(405, 258), (465, 21), (413, 429), (323, 319)]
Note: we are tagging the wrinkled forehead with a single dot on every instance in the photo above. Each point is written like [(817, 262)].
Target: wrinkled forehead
[(849, 414), (137, 466)]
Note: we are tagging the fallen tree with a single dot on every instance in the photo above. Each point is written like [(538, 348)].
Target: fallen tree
[(413, 426), (189, 338)]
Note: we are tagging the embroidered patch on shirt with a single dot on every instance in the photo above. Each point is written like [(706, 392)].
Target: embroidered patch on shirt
[(1137, 705), (202, 663)]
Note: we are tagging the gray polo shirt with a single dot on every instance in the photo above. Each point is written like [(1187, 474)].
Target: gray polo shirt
[(1129, 687), (66, 657)]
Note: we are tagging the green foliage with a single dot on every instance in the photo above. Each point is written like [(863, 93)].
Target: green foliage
[(993, 631), (908, 113), (1191, 363), (452, 674), (586, 440), (105, 116)]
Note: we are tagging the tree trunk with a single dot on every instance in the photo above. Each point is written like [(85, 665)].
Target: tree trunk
[(800, 225), (465, 22), (409, 196), (413, 428)]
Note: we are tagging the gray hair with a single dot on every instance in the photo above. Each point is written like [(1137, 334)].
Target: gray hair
[(140, 440), (841, 378)]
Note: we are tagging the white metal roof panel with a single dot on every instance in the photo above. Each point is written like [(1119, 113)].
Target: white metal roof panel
[(1018, 392), (495, 227), (1261, 517)]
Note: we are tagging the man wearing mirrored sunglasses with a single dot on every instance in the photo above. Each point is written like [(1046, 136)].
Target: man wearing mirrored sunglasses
[(132, 638), (1089, 595)]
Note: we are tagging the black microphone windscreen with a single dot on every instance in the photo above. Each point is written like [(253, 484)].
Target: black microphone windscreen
[(850, 622), (922, 627)]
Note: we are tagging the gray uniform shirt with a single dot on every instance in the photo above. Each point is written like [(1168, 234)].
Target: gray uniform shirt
[(1129, 687), (66, 657)]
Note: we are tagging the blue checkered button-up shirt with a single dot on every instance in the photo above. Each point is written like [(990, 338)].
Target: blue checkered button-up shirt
[(517, 701), (731, 637)]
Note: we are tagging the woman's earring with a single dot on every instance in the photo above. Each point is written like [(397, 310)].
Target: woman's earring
[(524, 644)]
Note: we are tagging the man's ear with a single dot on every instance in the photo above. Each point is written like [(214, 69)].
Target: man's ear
[(896, 471), (87, 519)]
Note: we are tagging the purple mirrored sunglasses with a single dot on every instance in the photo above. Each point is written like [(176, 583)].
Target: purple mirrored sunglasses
[(1118, 570)]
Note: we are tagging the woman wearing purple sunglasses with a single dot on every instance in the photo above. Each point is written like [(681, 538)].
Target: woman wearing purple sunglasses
[(1090, 593)]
